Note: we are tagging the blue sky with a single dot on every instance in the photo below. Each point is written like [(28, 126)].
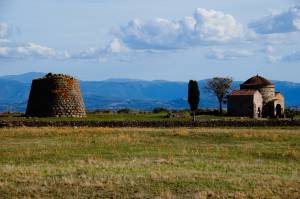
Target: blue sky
[(158, 39)]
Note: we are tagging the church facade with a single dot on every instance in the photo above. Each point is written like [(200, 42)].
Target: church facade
[(256, 98)]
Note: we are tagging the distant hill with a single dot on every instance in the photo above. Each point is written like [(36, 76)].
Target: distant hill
[(23, 78), (126, 93)]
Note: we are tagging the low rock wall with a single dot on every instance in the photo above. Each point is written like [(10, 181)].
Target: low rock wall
[(151, 124)]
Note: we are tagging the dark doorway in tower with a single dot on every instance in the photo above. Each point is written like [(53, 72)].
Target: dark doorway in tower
[(278, 111)]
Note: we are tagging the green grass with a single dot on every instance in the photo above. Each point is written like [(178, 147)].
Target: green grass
[(297, 117), (148, 116), (149, 163)]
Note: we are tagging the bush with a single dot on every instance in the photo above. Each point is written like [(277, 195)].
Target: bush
[(213, 112), (124, 111), (291, 113), (160, 110), (101, 111)]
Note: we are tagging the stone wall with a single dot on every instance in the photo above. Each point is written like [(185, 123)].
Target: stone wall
[(153, 124), (55, 95), (268, 93)]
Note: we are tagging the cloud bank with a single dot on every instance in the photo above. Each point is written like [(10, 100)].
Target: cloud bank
[(283, 22), (31, 50), (205, 27), (115, 47), (12, 50)]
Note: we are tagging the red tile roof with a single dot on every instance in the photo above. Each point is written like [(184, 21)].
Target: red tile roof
[(258, 80), (243, 92)]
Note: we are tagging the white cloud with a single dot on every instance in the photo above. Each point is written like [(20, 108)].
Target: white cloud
[(232, 54), (115, 48), (205, 27), (12, 50), (30, 50), (217, 27), (283, 22)]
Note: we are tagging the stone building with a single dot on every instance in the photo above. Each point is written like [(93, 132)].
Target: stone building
[(256, 98), (55, 95)]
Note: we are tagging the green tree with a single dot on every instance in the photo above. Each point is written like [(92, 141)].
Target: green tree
[(193, 97), (290, 113), (220, 87)]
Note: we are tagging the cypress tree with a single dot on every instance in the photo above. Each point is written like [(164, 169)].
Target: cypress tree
[(193, 97)]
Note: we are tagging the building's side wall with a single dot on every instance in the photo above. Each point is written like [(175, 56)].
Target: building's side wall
[(258, 105), (241, 106)]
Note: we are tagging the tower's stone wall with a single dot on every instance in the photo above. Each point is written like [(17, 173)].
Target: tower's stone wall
[(268, 93), (55, 95)]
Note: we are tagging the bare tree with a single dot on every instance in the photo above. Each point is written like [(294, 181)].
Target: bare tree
[(220, 87), (193, 97)]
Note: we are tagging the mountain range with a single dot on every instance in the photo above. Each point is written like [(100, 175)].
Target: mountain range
[(127, 93)]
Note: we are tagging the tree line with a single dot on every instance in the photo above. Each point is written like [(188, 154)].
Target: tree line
[(218, 86)]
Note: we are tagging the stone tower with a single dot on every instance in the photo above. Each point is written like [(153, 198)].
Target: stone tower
[(55, 95)]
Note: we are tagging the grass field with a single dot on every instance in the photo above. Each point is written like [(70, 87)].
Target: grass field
[(147, 116), (139, 116), (149, 163)]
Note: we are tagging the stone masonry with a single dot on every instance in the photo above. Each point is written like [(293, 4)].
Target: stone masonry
[(55, 95)]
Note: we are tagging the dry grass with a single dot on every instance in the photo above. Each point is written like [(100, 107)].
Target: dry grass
[(149, 163)]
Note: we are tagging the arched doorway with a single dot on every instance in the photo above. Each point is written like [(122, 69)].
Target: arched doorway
[(278, 111)]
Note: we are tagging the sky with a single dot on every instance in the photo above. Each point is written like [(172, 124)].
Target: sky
[(152, 40)]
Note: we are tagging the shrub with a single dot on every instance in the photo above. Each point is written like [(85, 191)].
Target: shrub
[(124, 111), (160, 110), (291, 113), (213, 112)]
